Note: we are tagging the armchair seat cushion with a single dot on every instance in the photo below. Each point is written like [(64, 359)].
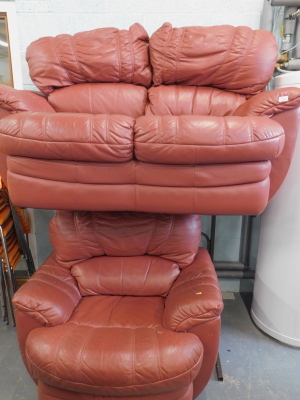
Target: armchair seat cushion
[(68, 136), (120, 348)]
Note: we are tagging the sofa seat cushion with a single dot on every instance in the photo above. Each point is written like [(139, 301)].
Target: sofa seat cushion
[(68, 136), (192, 139), (120, 348)]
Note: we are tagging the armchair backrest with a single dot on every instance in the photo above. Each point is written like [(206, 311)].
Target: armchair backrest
[(125, 253)]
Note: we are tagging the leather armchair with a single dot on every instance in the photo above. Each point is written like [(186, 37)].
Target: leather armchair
[(115, 310)]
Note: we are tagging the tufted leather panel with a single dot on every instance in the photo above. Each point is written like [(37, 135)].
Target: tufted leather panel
[(85, 137), (81, 235), (192, 100), (100, 98), (100, 55), (236, 59), (125, 276), (203, 140)]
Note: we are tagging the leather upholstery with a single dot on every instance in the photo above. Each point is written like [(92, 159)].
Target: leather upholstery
[(105, 324), (101, 55), (236, 59), (128, 306), (201, 140)]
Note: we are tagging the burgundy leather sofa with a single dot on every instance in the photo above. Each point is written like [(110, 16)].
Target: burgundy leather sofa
[(127, 306)]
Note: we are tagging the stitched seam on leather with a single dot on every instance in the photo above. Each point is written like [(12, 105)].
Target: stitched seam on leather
[(195, 317), (119, 54), (244, 56), (170, 231), (90, 97), (76, 225), (133, 357), (66, 282), (97, 237), (177, 53), (72, 142), (165, 55), (147, 272), (122, 270), (80, 70), (132, 56), (152, 233), (223, 62), (26, 308), (111, 311), (58, 347), (118, 387), (107, 132), (157, 355), (82, 350), (52, 41), (56, 287)]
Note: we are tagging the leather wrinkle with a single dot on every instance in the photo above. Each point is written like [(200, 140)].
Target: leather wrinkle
[(119, 55), (112, 309), (82, 351), (120, 387), (226, 54), (65, 70), (157, 355), (165, 54), (79, 67), (246, 51), (177, 53), (146, 275), (132, 58), (37, 279)]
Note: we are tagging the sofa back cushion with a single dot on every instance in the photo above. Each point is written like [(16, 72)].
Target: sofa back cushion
[(78, 236), (125, 276), (192, 100), (100, 55), (100, 98), (236, 59)]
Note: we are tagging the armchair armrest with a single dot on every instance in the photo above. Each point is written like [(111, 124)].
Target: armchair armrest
[(15, 101), (195, 297), (270, 102), (50, 295)]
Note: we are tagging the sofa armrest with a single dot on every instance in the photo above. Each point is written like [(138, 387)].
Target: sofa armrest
[(15, 101), (195, 297), (270, 102), (200, 139), (50, 295)]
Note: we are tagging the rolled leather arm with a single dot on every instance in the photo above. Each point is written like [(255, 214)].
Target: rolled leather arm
[(270, 102), (68, 136), (50, 295), (15, 101), (193, 139), (195, 297)]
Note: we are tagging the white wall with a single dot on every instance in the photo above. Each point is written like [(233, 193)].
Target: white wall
[(37, 18)]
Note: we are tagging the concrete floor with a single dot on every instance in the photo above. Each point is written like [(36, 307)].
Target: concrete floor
[(255, 367)]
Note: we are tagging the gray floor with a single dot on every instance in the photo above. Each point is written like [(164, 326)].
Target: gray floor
[(255, 366)]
